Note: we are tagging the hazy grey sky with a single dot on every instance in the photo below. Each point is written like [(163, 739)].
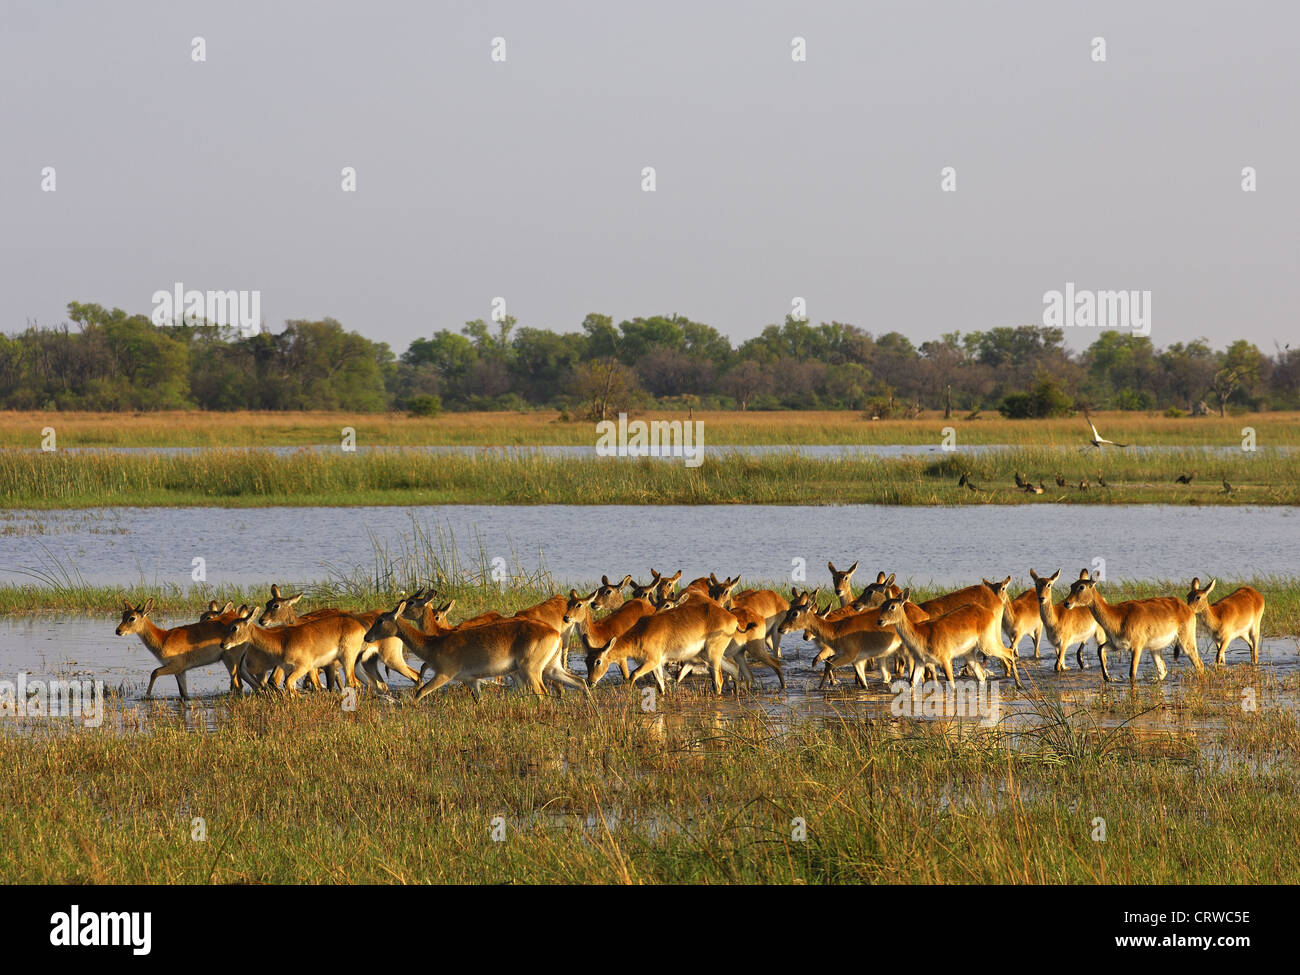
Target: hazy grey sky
[(775, 179)]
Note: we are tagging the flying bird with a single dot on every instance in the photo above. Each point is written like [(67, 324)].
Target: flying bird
[(1184, 478), (1097, 438)]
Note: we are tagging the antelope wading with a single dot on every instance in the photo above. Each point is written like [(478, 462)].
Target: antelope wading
[(707, 627)]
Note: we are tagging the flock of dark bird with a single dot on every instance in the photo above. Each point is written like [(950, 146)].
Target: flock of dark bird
[(1028, 487)]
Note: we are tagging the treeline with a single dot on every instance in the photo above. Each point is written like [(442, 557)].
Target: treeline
[(108, 360)]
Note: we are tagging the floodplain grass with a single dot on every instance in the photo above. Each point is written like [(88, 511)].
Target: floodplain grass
[(249, 478), (594, 790), (542, 427)]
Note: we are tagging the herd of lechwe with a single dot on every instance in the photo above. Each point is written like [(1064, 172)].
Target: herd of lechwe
[(707, 627)]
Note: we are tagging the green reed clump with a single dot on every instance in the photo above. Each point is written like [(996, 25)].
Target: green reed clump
[(250, 478)]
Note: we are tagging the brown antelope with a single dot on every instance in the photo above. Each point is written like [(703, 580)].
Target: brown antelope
[(843, 582), (305, 647), (647, 591), (1021, 619), (857, 641), (181, 648), (768, 604), (610, 594), (961, 634), (1064, 626), (1238, 614), (697, 626), (279, 611), (595, 633), (522, 647), (1137, 625), (747, 641), (216, 610)]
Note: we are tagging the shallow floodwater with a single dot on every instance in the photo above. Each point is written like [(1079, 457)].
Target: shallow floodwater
[(71, 648), (141, 547)]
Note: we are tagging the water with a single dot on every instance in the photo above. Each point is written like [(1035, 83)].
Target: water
[(945, 545)]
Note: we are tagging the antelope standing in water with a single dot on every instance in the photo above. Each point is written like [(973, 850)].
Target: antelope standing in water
[(943, 641), (1137, 625), (1239, 614), (181, 648), (1064, 627), (523, 647)]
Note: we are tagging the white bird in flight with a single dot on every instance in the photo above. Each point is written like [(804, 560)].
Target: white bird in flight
[(1097, 438)]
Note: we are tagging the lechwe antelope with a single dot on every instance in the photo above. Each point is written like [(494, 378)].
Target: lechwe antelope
[(750, 640), (843, 582), (522, 647), (960, 635), (280, 611), (1064, 627), (698, 626), (302, 648), (771, 606), (859, 641), (596, 633), (1021, 619), (1236, 615), (181, 648), (1137, 625)]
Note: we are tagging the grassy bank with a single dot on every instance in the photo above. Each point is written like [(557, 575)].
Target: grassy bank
[(175, 605), (247, 429), (244, 478), (596, 791)]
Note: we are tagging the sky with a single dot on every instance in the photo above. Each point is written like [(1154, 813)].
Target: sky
[(774, 178)]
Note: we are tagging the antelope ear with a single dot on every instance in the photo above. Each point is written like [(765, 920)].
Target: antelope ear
[(627, 581), (880, 578), (245, 611), (1196, 582), (654, 575), (852, 569), (126, 604), (1006, 582), (831, 566), (397, 610), (1056, 575), (148, 606), (450, 604), (1210, 588), (890, 580), (907, 594), (275, 591), (573, 594), (294, 599), (1083, 574), (229, 607), (604, 580)]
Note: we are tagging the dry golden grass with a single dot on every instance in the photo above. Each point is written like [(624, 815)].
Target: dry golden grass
[(246, 429)]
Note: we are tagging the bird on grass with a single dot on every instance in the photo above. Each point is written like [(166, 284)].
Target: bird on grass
[(1227, 488), (1060, 480), (1101, 480), (1083, 484), (1097, 438), (966, 482), (1021, 482), (1184, 478), (1029, 488)]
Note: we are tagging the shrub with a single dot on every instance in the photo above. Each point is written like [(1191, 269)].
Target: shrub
[(425, 404)]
